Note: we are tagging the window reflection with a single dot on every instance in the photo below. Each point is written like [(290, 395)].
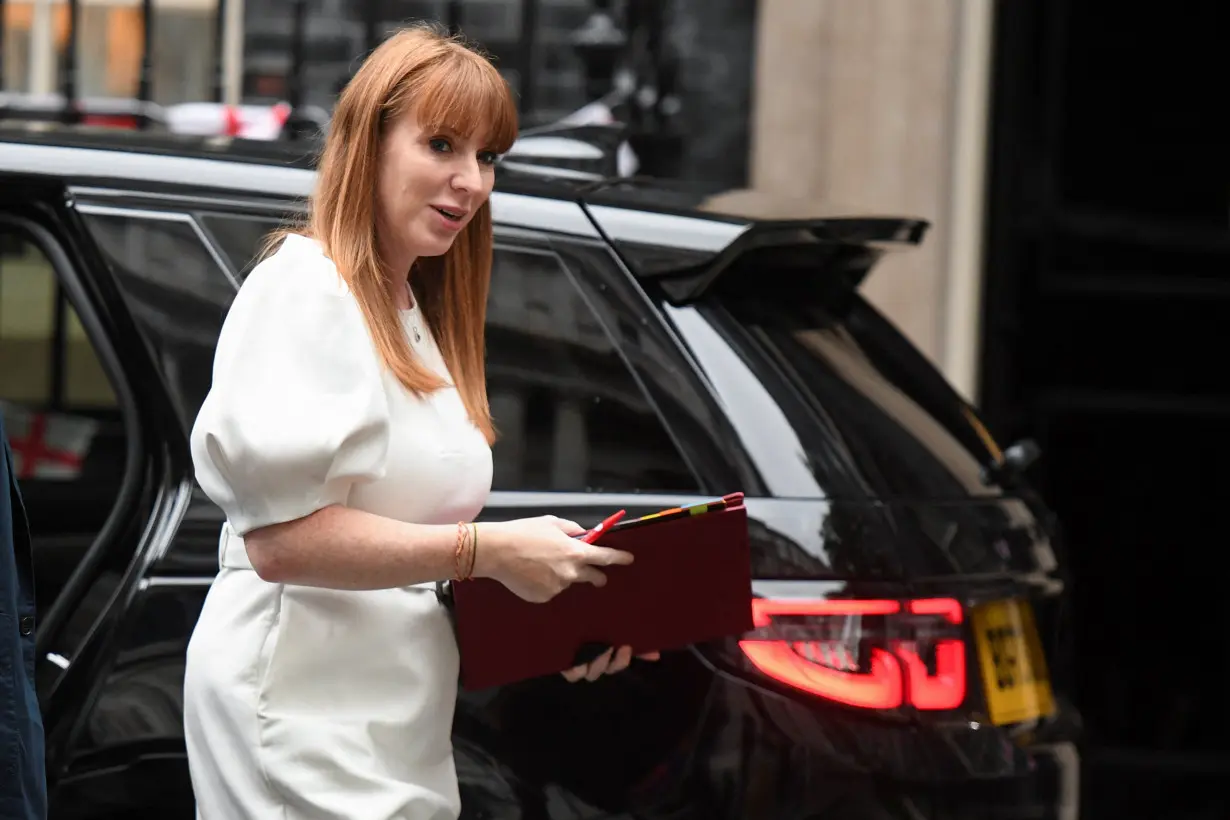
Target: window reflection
[(870, 426), (176, 290), (571, 417), (156, 247), (34, 314), (762, 426), (842, 354), (27, 321), (65, 431), (240, 238)]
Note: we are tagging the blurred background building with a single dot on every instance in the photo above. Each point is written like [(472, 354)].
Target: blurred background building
[(109, 41)]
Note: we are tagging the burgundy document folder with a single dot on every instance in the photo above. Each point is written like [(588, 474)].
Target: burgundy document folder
[(690, 582)]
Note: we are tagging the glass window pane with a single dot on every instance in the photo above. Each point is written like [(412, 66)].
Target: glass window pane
[(177, 292), (67, 439), (239, 237), (569, 414), (155, 250), (27, 321), (85, 382)]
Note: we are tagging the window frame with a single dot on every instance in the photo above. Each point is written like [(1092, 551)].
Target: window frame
[(201, 218), (149, 214), (56, 248)]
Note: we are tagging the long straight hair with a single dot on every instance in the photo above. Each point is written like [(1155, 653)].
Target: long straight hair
[(444, 83)]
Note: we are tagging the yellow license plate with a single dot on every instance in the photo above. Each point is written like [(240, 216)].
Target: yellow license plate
[(1014, 673)]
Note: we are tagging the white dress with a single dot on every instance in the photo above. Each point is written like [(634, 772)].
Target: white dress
[(303, 703)]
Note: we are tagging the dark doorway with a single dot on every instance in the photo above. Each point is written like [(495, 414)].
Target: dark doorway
[(1107, 320)]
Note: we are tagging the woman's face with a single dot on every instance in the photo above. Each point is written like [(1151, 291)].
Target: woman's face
[(430, 184)]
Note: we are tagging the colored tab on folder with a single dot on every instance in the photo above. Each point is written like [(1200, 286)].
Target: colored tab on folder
[(700, 508)]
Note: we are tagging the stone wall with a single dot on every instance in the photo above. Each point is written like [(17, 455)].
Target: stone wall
[(856, 111)]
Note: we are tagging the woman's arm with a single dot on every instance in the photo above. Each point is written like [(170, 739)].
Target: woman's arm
[(296, 416), (342, 548)]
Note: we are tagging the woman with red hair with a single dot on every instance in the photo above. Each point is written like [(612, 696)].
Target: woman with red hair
[(347, 436)]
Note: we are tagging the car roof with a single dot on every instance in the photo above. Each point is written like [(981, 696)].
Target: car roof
[(72, 151), (64, 150), (636, 215)]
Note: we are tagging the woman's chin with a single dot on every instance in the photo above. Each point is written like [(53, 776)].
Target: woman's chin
[(430, 246)]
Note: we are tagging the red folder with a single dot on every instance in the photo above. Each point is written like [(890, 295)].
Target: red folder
[(690, 582)]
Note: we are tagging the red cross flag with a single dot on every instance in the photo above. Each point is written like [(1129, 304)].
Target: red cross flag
[(48, 446)]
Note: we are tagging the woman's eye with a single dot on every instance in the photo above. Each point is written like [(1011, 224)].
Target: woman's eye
[(488, 157), (440, 144)]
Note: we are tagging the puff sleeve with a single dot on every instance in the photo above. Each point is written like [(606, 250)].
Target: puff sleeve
[(296, 414)]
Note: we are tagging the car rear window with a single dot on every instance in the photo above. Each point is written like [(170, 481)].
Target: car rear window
[(873, 418)]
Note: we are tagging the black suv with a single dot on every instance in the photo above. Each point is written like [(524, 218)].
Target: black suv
[(643, 352)]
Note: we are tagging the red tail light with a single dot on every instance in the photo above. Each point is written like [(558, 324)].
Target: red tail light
[(867, 653), (946, 688)]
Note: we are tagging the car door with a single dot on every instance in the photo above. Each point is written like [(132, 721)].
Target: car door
[(74, 385)]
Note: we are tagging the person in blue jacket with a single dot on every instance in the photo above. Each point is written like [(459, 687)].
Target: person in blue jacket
[(23, 782)]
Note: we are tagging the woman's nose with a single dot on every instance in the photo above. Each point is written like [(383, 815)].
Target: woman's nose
[(468, 176)]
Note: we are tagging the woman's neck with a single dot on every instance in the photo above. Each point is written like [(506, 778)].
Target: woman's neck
[(403, 295), (399, 266)]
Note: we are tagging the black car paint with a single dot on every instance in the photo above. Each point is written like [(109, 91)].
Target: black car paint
[(688, 737)]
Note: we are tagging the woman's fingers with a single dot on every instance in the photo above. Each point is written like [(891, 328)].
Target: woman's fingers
[(589, 575), (567, 527), (620, 661), (598, 666), (593, 557), (604, 556), (610, 662)]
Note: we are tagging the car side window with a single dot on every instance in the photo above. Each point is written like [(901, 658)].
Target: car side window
[(241, 237), (64, 424), (46, 359), (569, 414), (178, 288)]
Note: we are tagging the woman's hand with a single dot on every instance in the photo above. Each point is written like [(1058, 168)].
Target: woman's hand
[(537, 558), (608, 663)]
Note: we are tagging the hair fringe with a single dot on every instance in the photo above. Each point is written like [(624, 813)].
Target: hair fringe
[(447, 82)]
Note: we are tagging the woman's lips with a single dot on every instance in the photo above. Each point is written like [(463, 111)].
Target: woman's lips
[(453, 220)]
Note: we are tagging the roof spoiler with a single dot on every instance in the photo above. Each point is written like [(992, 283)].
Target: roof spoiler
[(836, 252), (843, 251)]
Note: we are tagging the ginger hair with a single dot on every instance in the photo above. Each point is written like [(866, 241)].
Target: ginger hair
[(444, 83)]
